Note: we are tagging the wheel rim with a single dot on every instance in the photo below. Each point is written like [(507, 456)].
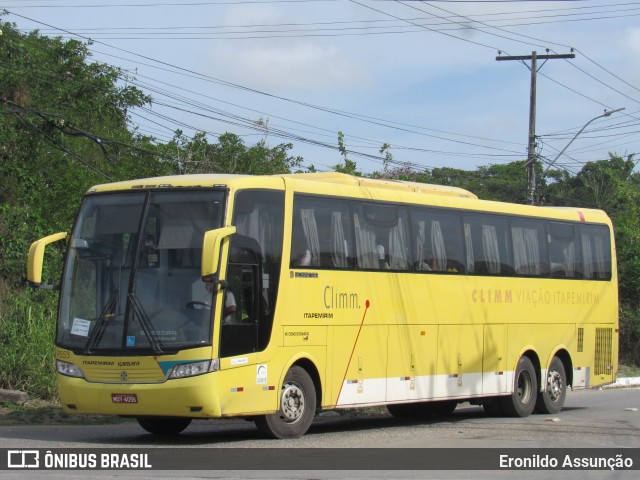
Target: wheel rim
[(292, 403), (555, 385), (524, 387)]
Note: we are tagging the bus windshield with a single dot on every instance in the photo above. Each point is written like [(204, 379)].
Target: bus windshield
[(132, 281)]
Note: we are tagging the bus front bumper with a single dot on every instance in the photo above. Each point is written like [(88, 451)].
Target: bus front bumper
[(186, 397)]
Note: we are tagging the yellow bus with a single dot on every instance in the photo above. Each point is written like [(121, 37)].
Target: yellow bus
[(274, 297)]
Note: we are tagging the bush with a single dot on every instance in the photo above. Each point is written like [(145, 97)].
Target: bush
[(629, 335), (27, 329)]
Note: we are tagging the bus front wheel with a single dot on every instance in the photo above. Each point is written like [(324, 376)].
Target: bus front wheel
[(551, 399), (523, 399), (164, 425), (297, 407)]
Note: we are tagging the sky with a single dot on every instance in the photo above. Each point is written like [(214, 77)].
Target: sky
[(419, 76)]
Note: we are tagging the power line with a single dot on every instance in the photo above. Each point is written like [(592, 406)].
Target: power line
[(326, 109)]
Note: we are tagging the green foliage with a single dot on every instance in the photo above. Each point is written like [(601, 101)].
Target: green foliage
[(506, 183), (229, 155), (27, 327), (629, 335), (403, 173), (63, 128), (349, 166), (385, 150)]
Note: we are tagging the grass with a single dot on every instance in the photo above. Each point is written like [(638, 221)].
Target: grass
[(27, 329), (628, 371)]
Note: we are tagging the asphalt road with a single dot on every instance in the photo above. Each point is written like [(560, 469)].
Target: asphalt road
[(592, 419)]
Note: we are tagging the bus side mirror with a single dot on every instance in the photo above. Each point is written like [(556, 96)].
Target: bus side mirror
[(211, 247), (36, 259)]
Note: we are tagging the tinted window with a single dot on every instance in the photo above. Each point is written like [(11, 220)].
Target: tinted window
[(381, 237), (438, 241), (486, 245), (529, 247), (322, 234), (596, 252), (564, 252)]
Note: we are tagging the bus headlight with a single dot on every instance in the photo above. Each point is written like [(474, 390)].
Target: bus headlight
[(68, 369), (196, 368)]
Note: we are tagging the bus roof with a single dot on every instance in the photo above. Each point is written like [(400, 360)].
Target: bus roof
[(444, 196), (208, 180), (401, 185)]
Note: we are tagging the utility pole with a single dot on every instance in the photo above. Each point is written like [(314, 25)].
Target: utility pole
[(532, 160)]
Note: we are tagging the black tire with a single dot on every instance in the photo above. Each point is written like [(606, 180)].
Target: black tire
[(525, 389), (492, 407), (551, 399), (423, 409), (164, 425), (297, 407)]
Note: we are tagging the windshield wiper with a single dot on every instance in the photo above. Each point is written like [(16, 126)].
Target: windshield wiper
[(101, 325), (145, 323)]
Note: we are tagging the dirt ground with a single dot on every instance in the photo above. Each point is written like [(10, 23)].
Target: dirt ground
[(40, 412)]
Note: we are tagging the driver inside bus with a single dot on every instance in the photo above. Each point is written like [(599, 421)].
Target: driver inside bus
[(230, 306)]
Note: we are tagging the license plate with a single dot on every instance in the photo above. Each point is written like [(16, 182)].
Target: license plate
[(124, 398)]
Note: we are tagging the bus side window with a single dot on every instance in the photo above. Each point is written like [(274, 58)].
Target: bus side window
[(438, 241), (321, 233), (307, 245), (529, 248), (563, 251), (596, 252), (488, 251), (382, 237)]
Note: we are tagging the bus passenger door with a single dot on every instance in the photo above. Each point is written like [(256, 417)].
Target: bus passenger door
[(494, 360), (246, 306)]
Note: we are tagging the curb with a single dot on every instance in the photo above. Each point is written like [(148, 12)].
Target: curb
[(624, 382)]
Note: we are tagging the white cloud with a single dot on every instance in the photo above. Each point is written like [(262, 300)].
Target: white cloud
[(301, 66), (283, 63), (631, 40), (252, 15)]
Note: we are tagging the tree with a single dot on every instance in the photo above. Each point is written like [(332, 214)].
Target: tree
[(228, 155), (507, 183), (64, 126), (349, 166)]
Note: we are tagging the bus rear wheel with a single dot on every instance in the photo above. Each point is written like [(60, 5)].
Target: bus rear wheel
[(164, 425), (297, 407), (551, 399), (523, 399)]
